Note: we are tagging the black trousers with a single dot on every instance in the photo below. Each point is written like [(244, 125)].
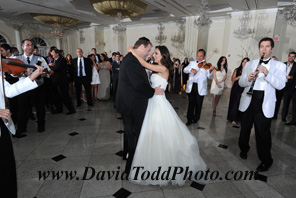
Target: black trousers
[(61, 94), (132, 129), (195, 104), (288, 93), (8, 181), (79, 81), (294, 107), (37, 96), (254, 115)]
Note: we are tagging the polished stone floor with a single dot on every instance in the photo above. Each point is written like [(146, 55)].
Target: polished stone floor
[(91, 138)]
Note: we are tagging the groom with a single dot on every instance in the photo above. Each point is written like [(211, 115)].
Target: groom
[(132, 96)]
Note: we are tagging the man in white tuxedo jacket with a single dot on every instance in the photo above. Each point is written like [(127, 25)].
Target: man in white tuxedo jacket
[(259, 107), (196, 86)]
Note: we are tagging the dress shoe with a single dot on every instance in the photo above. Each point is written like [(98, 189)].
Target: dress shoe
[(243, 155), (290, 123), (71, 112), (284, 119), (194, 121), (263, 167), (188, 123), (41, 129)]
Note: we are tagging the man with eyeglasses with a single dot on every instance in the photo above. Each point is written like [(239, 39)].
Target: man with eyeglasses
[(37, 96)]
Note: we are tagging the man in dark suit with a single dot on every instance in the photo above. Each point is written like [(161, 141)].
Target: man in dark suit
[(60, 83), (289, 88), (115, 71), (293, 121), (132, 96), (97, 56), (83, 76)]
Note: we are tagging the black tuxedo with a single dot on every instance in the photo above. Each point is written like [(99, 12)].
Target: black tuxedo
[(115, 72), (280, 94), (83, 80), (61, 85), (288, 91), (131, 100)]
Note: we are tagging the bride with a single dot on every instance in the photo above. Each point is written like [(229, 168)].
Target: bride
[(166, 151)]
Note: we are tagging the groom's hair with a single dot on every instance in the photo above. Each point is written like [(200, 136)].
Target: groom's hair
[(142, 40)]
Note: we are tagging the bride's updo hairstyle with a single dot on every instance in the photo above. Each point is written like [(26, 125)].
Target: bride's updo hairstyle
[(166, 58)]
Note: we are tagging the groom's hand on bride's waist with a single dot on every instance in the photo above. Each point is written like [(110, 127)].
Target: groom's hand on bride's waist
[(158, 91)]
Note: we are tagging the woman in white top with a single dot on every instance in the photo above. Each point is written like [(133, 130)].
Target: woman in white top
[(95, 77), (217, 87)]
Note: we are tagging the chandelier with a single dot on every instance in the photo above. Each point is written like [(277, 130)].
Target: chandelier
[(128, 8), (57, 30), (204, 21), (160, 38), (290, 15), (119, 27), (244, 31), (56, 21)]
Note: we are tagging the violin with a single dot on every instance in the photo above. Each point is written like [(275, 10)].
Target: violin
[(205, 65), (15, 66)]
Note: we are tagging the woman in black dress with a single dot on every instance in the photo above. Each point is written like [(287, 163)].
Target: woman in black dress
[(235, 95)]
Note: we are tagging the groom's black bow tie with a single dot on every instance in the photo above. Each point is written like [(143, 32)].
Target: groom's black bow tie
[(265, 62)]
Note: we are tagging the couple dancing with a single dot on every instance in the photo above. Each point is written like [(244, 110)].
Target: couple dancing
[(155, 137)]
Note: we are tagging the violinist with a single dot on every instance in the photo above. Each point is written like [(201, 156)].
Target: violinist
[(196, 86), (6, 53), (37, 95), (8, 181)]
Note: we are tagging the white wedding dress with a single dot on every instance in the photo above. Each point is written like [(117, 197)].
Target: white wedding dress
[(164, 142)]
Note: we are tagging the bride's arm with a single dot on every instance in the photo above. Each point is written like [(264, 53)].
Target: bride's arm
[(156, 68)]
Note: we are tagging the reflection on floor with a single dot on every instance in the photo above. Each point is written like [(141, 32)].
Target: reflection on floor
[(89, 141)]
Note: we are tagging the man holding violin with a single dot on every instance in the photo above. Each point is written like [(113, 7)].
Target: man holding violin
[(37, 95), (196, 87)]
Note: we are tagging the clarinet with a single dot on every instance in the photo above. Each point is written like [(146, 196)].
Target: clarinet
[(250, 92)]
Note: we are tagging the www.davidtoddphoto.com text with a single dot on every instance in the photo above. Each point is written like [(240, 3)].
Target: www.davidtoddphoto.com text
[(170, 173)]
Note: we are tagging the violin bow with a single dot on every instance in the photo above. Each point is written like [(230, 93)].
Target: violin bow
[(216, 50)]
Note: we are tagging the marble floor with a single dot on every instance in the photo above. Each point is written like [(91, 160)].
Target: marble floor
[(92, 138)]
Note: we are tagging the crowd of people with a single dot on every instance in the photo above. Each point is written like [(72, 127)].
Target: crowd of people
[(137, 86), (88, 77)]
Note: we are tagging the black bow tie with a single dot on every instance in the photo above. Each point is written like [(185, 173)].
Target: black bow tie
[(265, 62)]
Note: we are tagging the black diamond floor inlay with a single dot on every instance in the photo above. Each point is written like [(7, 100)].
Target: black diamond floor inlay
[(260, 177), (58, 158), (122, 193), (197, 186), (201, 128), (120, 131), (73, 133), (223, 146), (119, 153), (82, 119), (235, 126)]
